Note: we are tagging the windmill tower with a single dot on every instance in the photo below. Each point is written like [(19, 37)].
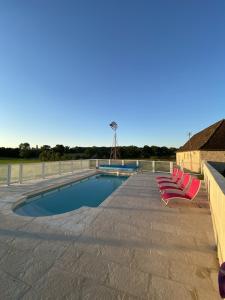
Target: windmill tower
[(114, 150)]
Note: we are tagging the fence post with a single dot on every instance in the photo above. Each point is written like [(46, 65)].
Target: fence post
[(137, 163), (122, 162), (21, 174), (43, 170), (171, 167), (153, 166), (96, 163), (109, 162), (9, 174), (72, 166)]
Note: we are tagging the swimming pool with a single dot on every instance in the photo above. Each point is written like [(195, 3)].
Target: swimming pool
[(126, 168), (90, 192)]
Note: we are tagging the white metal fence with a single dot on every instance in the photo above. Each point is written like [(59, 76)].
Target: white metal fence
[(18, 173)]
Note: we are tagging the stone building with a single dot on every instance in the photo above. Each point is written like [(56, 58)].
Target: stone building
[(208, 144)]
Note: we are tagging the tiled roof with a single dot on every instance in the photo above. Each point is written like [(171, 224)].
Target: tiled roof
[(210, 138)]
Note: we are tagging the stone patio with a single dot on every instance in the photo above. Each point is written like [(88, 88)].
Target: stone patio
[(130, 247)]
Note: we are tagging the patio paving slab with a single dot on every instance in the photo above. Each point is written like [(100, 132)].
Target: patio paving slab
[(130, 247)]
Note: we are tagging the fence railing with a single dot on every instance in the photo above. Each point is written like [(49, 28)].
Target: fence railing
[(144, 165), (18, 173), (215, 185)]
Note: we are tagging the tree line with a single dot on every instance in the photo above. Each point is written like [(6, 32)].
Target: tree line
[(61, 152)]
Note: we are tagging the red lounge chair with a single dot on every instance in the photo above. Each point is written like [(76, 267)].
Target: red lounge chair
[(174, 173), (189, 195), (173, 178), (176, 180), (180, 186)]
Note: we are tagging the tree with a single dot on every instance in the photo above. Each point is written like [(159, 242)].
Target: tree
[(146, 151), (60, 149), (45, 147), (24, 150)]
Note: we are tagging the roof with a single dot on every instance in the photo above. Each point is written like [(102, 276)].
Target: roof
[(210, 138)]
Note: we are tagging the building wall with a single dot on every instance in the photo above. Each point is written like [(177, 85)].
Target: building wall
[(213, 155), (189, 160), (192, 160)]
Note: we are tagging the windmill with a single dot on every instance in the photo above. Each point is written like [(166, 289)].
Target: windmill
[(114, 150)]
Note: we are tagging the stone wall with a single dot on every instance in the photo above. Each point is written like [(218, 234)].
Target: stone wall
[(192, 160), (213, 156), (215, 184)]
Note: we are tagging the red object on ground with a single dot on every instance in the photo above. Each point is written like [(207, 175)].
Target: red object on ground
[(182, 186), (174, 173), (190, 194), (176, 180)]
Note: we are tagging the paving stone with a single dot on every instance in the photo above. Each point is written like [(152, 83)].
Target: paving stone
[(207, 294), (15, 261), (24, 241), (11, 288), (57, 284), (121, 255), (4, 248), (196, 277), (30, 294), (164, 289), (53, 248), (94, 291), (35, 270), (91, 266), (214, 279), (68, 259), (149, 261), (202, 258), (172, 240), (128, 280)]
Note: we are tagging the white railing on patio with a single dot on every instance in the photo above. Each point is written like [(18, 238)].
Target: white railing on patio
[(18, 173), (144, 165)]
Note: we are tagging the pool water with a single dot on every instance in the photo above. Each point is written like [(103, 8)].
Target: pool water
[(87, 192)]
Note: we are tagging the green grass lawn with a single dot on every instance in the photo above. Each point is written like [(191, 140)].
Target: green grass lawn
[(17, 160)]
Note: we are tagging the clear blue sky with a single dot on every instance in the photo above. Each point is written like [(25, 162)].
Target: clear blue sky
[(68, 68)]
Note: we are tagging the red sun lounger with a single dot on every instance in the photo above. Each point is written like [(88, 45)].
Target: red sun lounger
[(189, 195), (174, 173), (179, 186), (176, 180)]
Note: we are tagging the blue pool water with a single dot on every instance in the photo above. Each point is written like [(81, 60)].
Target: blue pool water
[(87, 192)]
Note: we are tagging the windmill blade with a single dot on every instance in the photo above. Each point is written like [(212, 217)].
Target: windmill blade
[(113, 125)]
